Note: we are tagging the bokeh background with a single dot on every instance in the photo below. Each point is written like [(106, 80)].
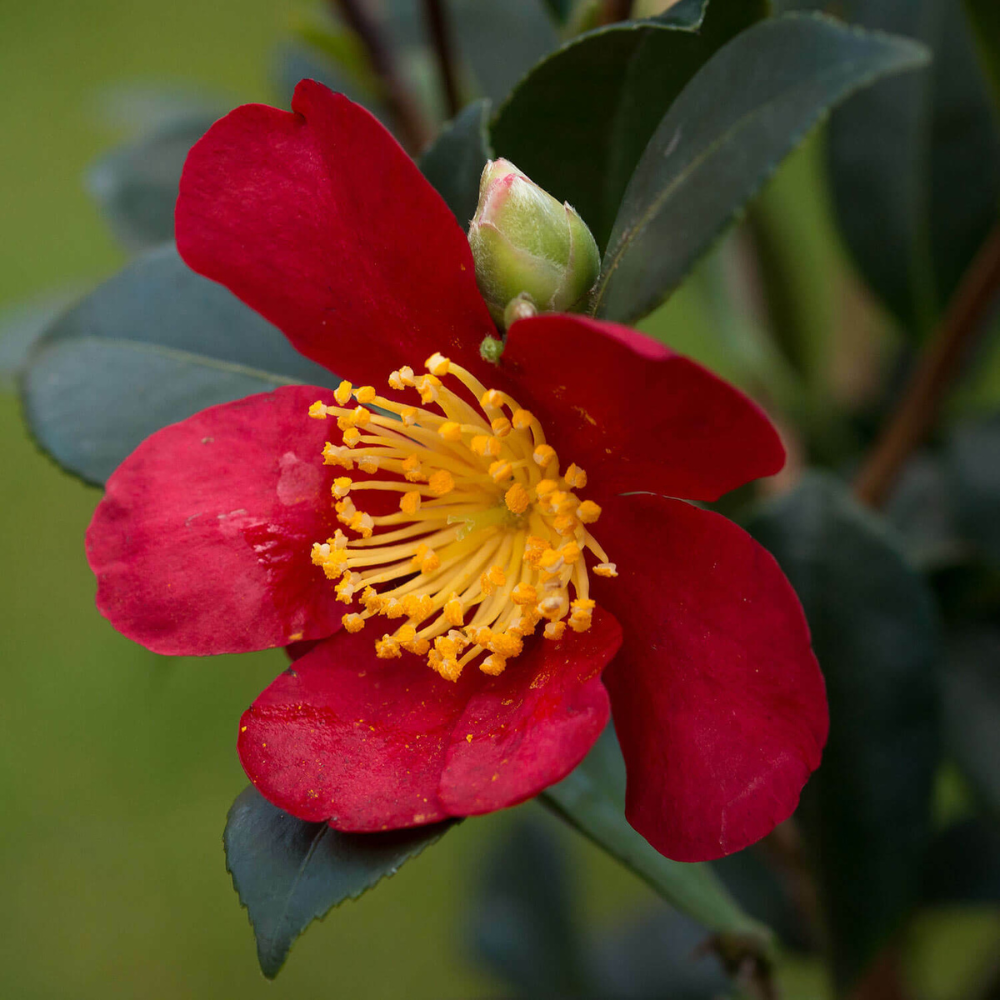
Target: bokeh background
[(117, 766)]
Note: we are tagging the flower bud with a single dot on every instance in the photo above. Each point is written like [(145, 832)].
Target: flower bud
[(529, 247)]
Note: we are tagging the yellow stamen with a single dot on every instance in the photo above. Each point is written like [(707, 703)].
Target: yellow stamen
[(489, 540)]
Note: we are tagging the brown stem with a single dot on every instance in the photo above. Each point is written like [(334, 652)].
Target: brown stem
[(414, 132), (437, 21), (937, 366), (614, 10)]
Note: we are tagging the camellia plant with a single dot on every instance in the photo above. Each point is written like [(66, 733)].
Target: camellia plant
[(411, 433)]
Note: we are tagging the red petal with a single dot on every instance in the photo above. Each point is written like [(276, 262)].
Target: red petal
[(201, 543), (375, 744), (634, 414), (319, 221), (718, 701), (533, 724)]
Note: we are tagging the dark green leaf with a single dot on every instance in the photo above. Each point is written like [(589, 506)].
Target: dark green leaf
[(151, 346), (748, 107), (915, 163), (985, 18), (875, 631), (501, 40), (289, 873), (523, 917), (592, 799), (136, 185), (972, 708), (963, 865), (974, 462), (454, 163), (578, 123)]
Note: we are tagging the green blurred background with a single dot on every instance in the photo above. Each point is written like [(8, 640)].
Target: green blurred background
[(119, 766)]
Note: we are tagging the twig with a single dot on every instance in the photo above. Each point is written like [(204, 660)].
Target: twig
[(437, 21), (614, 10), (414, 132), (937, 366)]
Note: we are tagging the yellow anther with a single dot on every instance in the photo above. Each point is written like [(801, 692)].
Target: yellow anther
[(449, 669), (418, 606), (565, 524), (506, 645), (368, 463), (522, 419), (418, 646), (580, 618), (352, 436), (427, 386), (501, 426), (493, 447), (554, 630), (430, 562), (371, 600), (606, 569), (395, 381), (405, 635), (408, 415), (349, 582), (479, 444), (366, 394), (524, 593), (552, 560), (450, 431), (341, 486), (526, 624), (500, 470), (491, 398), (410, 502), (393, 608), (437, 364), (411, 469), (534, 549), (362, 523), (517, 499), (345, 509), (318, 410), (497, 576), (441, 483), (588, 512), (545, 486), (575, 477), (453, 611), (353, 622), (545, 455), (479, 634), (485, 584), (343, 393), (406, 375), (570, 552), (387, 648), (361, 417), (334, 454), (551, 607), (493, 665)]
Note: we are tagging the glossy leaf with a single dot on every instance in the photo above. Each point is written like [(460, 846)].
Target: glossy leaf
[(454, 163), (289, 873), (592, 799), (136, 185), (974, 463), (915, 163), (709, 156), (578, 123), (875, 632), (151, 346)]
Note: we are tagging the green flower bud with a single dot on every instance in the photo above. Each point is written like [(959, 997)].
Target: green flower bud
[(529, 247)]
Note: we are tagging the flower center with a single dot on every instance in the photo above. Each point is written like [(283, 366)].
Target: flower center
[(489, 540)]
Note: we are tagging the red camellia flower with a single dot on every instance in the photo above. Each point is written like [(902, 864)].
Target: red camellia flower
[(462, 553)]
